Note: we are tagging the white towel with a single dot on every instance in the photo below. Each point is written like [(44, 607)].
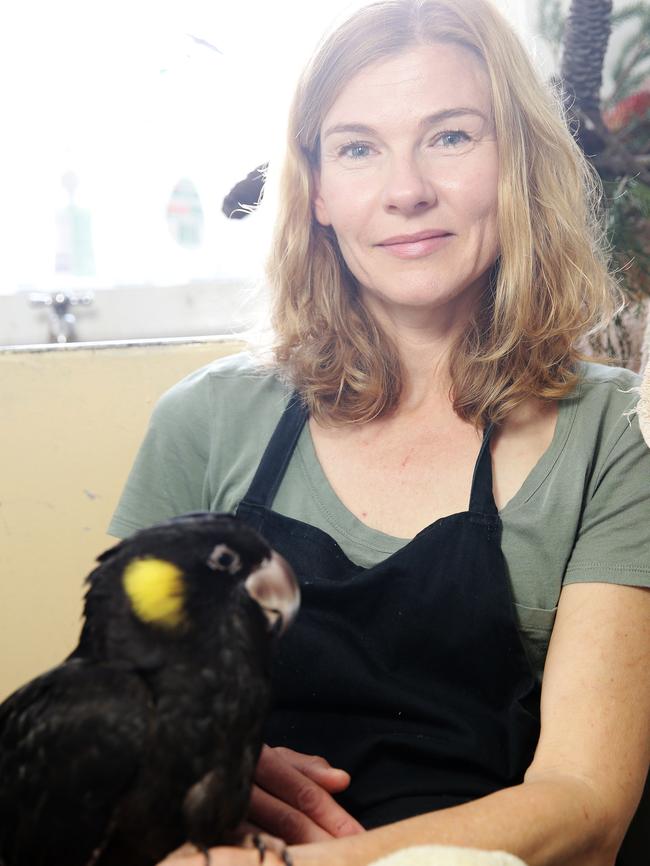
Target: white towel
[(444, 855)]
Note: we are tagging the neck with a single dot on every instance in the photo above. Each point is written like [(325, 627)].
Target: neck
[(424, 350), (424, 338), (425, 368)]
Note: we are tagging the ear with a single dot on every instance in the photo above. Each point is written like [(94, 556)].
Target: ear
[(320, 210)]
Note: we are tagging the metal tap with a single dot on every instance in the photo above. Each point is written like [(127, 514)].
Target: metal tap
[(62, 322)]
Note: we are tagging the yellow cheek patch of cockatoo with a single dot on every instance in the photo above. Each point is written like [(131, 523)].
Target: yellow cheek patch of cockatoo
[(445, 855)]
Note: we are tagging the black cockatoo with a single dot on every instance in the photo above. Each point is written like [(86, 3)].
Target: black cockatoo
[(148, 733)]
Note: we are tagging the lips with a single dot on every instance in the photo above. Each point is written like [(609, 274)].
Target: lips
[(417, 245), (411, 239)]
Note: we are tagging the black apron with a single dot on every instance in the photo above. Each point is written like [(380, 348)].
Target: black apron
[(410, 675)]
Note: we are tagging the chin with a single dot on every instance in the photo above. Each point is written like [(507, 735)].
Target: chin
[(421, 297)]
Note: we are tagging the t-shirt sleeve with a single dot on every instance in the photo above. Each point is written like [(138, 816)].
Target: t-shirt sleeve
[(169, 475), (613, 541)]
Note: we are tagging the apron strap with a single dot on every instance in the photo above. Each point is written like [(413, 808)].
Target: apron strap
[(482, 496), (276, 457)]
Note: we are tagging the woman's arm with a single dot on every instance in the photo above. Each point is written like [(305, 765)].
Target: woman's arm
[(587, 775)]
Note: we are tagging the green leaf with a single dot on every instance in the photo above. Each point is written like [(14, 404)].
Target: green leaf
[(634, 10), (631, 86)]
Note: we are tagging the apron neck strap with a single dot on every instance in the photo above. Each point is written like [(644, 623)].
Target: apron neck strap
[(482, 498), (277, 455)]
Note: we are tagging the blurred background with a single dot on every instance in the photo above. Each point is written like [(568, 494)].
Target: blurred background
[(125, 126)]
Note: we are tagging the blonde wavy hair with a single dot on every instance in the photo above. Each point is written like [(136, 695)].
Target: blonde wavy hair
[(549, 288)]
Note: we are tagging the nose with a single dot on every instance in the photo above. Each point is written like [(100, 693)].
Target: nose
[(408, 187)]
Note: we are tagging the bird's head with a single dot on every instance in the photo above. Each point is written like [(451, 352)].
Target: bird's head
[(185, 575)]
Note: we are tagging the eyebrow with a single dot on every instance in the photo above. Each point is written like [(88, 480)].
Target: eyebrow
[(430, 120)]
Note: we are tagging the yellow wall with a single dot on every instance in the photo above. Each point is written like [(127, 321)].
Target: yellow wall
[(71, 420)]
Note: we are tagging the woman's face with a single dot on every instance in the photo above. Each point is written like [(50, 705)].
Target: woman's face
[(408, 180)]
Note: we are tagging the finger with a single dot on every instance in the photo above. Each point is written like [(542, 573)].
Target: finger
[(276, 763), (281, 819), (294, 787), (317, 768)]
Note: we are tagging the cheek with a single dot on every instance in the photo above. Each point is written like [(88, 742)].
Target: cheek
[(484, 202), (484, 189), (348, 200), (472, 186), (479, 219)]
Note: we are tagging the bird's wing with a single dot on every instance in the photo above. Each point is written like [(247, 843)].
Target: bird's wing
[(70, 746)]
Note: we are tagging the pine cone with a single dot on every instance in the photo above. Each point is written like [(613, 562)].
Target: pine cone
[(585, 43)]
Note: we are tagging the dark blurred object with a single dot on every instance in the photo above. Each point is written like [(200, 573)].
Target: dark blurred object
[(614, 133), (245, 195), (586, 34)]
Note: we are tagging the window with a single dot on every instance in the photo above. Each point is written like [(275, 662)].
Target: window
[(126, 124)]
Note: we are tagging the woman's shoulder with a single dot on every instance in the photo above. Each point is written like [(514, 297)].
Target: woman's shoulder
[(236, 384), (605, 391), (205, 437), (602, 414), (234, 370), (593, 374)]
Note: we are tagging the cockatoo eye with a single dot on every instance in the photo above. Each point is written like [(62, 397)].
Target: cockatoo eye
[(223, 558)]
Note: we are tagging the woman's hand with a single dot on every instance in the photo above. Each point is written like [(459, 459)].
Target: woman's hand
[(292, 797)]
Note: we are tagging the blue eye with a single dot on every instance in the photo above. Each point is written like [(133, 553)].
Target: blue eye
[(355, 150), (452, 138)]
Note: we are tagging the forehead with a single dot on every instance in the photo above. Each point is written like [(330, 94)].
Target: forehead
[(423, 80)]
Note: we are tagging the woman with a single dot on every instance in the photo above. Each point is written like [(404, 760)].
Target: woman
[(435, 266)]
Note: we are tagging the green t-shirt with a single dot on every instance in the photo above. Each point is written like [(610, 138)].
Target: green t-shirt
[(581, 515)]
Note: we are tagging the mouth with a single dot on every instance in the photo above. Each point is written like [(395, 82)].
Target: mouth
[(416, 245)]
